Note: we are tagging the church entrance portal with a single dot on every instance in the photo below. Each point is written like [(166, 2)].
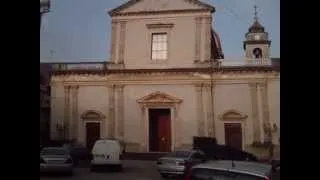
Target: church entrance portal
[(159, 130)]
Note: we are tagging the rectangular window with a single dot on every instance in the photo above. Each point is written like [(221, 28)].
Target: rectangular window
[(159, 49)]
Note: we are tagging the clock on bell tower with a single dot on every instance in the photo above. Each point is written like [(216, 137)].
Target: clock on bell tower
[(256, 44)]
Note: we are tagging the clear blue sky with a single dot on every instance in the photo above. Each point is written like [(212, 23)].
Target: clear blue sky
[(79, 30)]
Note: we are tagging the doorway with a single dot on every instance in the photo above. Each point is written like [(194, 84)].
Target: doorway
[(159, 130), (92, 133), (233, 135)]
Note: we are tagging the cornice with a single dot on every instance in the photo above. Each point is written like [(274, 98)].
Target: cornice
[(139, 13), (226, 69)]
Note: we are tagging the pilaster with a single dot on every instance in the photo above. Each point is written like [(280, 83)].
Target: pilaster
[(265, 112), (114, 25), (143, 130), (199, 109), (197, 47), (111, 118), (177, 125), (65, 123), (122, 42), (255, 112), (75, 117), (120, 111), (207, 43), (209, 91)]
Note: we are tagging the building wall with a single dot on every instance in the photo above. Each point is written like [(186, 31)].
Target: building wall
[(274, 102), (233, 96), (57, 108), (187, 110), (93, 98), (231, 93), (133, 32)]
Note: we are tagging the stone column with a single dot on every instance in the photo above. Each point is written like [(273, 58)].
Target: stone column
[(209, 91), (75, 117), (120, 111), (143, 143), (66, 122), (113, 48), (177, 126), (111, 118), (265, 111), (197, 47), (199, 108), (122, 42), (207, 45), (255, 112)]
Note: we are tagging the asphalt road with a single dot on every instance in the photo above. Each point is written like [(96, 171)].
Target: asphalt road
[(133, 170)]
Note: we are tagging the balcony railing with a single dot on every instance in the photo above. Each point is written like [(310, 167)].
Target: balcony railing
[(243, 62), (79, 66)]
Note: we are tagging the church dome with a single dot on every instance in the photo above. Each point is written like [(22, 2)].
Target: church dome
[(216, 45), (256, 27)]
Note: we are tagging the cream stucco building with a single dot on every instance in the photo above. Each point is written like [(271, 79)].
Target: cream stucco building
[(167, 81)]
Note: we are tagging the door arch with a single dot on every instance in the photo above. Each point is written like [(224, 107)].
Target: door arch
[(234, 128), (93, 126)]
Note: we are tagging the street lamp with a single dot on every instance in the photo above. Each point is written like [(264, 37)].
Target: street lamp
[(44, 8)]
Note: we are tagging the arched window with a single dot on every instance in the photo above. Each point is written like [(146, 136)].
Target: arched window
[(257, 53)]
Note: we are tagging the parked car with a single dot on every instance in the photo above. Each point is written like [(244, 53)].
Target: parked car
[(214, 151), (178, 162), (107, 152), (56, 159), (226, 170), (78, 152)]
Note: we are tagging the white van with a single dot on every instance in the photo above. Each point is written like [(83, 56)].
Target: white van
[(107, 152)]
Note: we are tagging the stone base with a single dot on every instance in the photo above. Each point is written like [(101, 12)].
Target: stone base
[(185, 146), (116, 66), (132, 147)]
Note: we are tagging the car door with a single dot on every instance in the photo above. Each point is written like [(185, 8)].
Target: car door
[(197, 158)]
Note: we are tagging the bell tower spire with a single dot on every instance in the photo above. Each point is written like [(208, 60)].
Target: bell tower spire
[(255, 13), (257, 44)]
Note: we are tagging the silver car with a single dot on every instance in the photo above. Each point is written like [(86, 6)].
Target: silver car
[(56, 159), (178, 162), (230, 170)]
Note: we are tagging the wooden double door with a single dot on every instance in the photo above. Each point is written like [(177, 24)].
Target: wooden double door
[(233, 135), (92, 133), (159, 130)]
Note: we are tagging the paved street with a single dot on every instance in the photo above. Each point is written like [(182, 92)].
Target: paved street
[(133, 170)]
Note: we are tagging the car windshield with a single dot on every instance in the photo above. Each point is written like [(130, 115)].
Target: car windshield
[(54, 151), (204, 174), (179, 154)]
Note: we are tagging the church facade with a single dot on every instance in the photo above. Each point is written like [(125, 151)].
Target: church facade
[(166, 81)]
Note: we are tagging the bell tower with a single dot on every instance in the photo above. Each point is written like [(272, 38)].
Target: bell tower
[(257, 43)]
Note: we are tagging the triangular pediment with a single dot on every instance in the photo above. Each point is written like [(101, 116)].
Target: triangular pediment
[(159, 97), (232, 115), (136, 6)]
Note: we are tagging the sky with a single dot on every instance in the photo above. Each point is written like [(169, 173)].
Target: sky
[(80, 30)]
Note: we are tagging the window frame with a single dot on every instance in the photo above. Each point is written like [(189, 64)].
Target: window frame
[(152, 47), (155, 28)]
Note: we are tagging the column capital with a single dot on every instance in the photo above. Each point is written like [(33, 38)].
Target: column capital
[(74, 87), (67, 87), (262, 85), (119, 86), (252, 83)]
